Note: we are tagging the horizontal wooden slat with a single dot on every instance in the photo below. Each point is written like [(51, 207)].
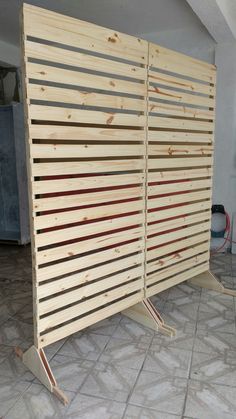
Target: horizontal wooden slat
[(73, 201), (76, 97), (90, 182), (178, 187), (178, 199), (71, 233), (86, 61), (97, 243), (179, 137), (170, 175), (180, 97), (88, 290), (181, 174), (86, 134), (86, 306), (183, 243), (88, 214), (177, 279), (89, 271), (177, 257), (183, 221), (169, 60), (173, 150), (175, 235), (77, 168), (47, 289), (177, 110), (183, 210), (178, 267), (169, 163), (180, 83), (77, 78), (90, 274), (43, 151), (90, 319), (177, 123), (57, 114), (73, 32)]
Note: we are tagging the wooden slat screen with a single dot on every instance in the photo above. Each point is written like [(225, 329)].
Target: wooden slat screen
[(120, 166), (86, 93), (181, 103)]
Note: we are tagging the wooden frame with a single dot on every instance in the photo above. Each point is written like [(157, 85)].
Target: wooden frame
[(120, 143)]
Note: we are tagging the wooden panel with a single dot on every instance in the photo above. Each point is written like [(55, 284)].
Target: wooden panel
[(176, 279), (54, 27), (176, 150), (89, 319), (180, 83), (175, 110), (78, 59), (180, 146), (58, 168), (58, 114), (180, 64), (120, 144), (94, 244), (179, 137), (172, 96), (87, 144)]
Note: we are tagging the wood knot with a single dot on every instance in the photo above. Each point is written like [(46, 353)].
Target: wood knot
[(177, 256), (112, 83), (69, 116), (110, 119), (110, 39), (43, 73)]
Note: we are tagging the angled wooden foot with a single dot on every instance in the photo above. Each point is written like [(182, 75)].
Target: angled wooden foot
[(146, 314), (209, 281), (35, 359)]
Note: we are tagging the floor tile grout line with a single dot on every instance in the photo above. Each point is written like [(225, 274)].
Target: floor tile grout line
[(138, 375), (191, 358), (17, 400)]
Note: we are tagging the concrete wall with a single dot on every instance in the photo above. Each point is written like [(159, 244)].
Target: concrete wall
[(224, 185), (10, 57), (9, 54)]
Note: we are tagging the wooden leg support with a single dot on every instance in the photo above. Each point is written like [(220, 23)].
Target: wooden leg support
[(209, 281), (35, 359), (146, 314)]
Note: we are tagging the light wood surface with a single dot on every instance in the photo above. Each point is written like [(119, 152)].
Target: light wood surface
[(120, 154), (180, 146), (87, 141)]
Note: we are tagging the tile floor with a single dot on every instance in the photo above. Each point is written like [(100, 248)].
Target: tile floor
[(118, 369)]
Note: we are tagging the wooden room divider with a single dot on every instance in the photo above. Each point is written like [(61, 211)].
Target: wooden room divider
[(120, 143)]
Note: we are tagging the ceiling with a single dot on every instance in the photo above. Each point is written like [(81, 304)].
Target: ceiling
[(131, 16)]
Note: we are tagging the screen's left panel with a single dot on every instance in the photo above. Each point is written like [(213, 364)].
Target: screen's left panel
[(86, 114)]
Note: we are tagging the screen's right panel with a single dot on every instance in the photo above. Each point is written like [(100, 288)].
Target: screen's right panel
[(180, 157)]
